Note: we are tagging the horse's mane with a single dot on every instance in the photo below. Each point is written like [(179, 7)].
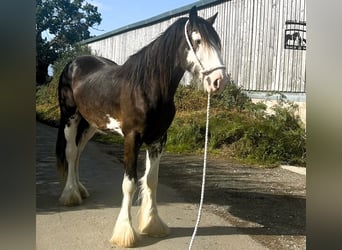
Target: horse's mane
[(154, 63)]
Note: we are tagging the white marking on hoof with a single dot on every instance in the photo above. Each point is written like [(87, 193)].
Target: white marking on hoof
[(150, 222), (124, 234), (114, 125), (70, 197), (152, 225)]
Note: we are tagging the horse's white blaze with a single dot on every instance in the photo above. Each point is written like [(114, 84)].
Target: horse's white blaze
[(123, 233), (149, 220), (209, 56), (114, 125), (71, 194), (196, 36)]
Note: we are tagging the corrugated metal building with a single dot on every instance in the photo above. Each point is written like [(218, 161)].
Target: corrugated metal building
[(263, 42)]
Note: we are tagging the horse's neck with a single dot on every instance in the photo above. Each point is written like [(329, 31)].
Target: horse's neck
[(169, 84), (177, 75), (166, 73), (160, 65), (173, 71)]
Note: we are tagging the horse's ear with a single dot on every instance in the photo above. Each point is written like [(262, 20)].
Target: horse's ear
[(193, 14), (212, 19)]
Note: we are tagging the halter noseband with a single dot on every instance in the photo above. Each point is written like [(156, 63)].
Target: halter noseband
[(203, 70)]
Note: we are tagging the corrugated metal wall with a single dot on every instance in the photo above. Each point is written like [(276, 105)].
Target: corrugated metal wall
[(253, 42)]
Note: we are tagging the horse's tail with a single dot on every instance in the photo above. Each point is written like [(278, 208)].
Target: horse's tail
[(67, 109)]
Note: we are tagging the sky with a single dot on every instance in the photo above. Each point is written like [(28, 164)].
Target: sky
[(118, 13)]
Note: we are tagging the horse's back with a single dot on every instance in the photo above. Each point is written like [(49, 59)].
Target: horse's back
[(87, 86), (82, 66), (84, 69), (92, 78)]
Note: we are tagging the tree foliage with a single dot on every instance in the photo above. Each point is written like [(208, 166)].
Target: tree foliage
[(59, 25)]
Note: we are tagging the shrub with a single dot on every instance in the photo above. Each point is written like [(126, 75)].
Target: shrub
[(189, 98), (238, 126), (232, 97), (186, 133), (274, 139)]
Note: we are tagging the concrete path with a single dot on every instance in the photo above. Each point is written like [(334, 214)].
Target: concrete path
[(295, 169), (90, 225)]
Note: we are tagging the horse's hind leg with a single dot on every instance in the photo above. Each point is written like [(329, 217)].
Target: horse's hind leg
[(71, 194), (84, 133), (149, 221)]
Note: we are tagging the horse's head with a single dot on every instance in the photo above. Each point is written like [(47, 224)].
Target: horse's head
[(204, 52)]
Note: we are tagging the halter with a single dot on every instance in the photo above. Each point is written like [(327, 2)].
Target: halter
[(203, 70)]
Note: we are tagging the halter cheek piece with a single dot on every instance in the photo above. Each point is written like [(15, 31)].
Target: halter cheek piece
[(204, 71)]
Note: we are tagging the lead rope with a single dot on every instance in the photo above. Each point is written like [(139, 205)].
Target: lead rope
[(203, 175)]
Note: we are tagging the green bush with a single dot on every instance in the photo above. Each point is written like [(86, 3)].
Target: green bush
[(276, 138), (189, 98), (238, 126), (186, 133), (231, 97)]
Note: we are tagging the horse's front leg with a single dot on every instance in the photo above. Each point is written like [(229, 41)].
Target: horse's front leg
[(124, 234), (149, 221)]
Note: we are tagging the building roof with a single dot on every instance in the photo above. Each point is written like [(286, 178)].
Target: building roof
[(164, 16)]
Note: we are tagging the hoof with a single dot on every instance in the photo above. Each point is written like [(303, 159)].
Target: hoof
[(124, 235), (153, 226), (83, 191), (70, 197)]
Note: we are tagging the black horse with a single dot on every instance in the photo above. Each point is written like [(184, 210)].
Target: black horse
[(135, 100)]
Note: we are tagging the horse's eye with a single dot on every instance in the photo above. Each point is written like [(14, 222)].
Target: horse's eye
[(198, 41)]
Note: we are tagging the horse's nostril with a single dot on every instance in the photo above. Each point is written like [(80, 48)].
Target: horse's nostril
[(216, 83)]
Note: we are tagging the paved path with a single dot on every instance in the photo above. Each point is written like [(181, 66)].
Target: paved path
[(298, 170), (90, 225)]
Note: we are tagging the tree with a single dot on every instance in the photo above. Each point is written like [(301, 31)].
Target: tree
[(59, 25)]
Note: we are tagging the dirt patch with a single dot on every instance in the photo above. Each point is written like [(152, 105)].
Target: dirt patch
[(266, 203)]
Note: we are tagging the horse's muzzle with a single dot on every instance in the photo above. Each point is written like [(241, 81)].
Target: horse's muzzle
[(217, 85)]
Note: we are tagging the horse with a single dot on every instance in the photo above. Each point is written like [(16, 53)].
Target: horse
[(135, 100), (295, 39)]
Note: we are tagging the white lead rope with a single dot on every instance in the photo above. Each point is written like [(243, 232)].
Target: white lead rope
[(203, 175)]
